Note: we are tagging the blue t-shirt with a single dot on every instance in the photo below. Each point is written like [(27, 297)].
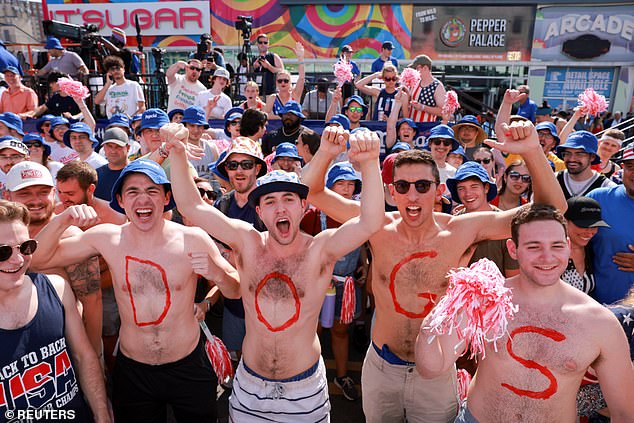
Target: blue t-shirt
[(377, 65), (105, 180), (617, 209), (528, 110)]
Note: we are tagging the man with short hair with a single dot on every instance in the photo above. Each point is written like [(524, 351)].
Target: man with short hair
[(253, 124), (17, 98), (308, 144), (62, 60), (527, 108), (578, 153), (184, 88), (58, 104), (384, 57), (161, 358), (534, 371), (118, 94), (39, 320), (12, 152), (80, 138), (266, 65), (116, 145), (316, 102), (428, 98), (292, 117), (284, 275)]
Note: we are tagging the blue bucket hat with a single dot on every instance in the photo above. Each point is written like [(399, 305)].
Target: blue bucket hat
[(120, 120), (286, 149), (148, 168), (408, 121), (57, 120), (442, 132), (41, 120), (460, 151), (277, 181), (292, 107), (400, 146), (153, 119), (12, 121), (550, 127), (53, 43), (471, 170), (195, 115), (173, 112), (582, 140), (82, 128), (356, 99), (231, 115), (213, 167), (343, 171), (470, 120), (33, 137), (341, 120)]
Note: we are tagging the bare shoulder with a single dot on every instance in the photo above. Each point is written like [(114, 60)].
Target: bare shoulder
[(59, 284), (589, 311)]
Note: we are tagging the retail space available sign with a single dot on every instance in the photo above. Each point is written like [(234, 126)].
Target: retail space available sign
[(166, 18), (564, 84), (472, 33), (584, 33)]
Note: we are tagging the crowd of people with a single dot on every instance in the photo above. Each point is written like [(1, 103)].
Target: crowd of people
[(117, 247)]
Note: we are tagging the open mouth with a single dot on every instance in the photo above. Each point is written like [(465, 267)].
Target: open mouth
[(413, 211), (143, 213), (12, 270), (546, 268), (283, 226)]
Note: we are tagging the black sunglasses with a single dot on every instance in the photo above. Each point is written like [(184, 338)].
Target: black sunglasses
[(482, 161), (211, 195), (194, 68), (392, 79), (33, 144), (244, 164), (283, 81), (234, 123), (422, 186), (516, 177), (27, 248), (443, 141), (263, 42)]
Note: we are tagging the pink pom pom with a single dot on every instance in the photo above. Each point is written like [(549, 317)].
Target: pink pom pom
[(348, 301), (269, 161), (410, 78), (72, 88), (343, 72), (219, 358), (592, 103), (464, 380), (477, 305), (451, 103)]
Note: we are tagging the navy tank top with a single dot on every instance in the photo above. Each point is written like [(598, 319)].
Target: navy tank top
[(384, 103), (36, 370)]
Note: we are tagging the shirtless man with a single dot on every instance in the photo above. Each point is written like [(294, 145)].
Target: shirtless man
[(411, 257), (557, 333), (161, 358), (284, 274)]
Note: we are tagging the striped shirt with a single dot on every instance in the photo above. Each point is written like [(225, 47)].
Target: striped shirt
[(424, 95)]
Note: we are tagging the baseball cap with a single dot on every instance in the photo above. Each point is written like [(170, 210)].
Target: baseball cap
[(582, 140), (387, 172), (625, 154), (421, 60), (341, 120), (243, 145), (81, 128), (195, 115), (343, 171), (585, 212), (53, 43), (346, 49), (13, 144), (388, 45), (12, 121), (119, 35), (11, 69), (153, 119), (277, 181), (222, 72), (286, 149), (26, 174), (292, 107), (35, 137), (471, 170), (148, 168), (115, 136)]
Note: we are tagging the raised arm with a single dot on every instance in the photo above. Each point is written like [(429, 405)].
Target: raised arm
[(89, 119), (363, 84), (390, 129), (171, 72), (298, 90), (100, 97), (333, 142), (212, 266), (569, 128), (335, 106)]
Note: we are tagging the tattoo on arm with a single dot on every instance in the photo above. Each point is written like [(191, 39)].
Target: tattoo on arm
[(84, 277)]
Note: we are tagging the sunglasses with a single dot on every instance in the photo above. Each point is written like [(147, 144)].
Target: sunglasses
[(515, 176), (422, 186), (234, 123), (244, 164), (211, 195), (46, 125), (392, 79), (283, 81), (194, 68), (33, 144), (27, 248), (356, 109), (482, 161), (263, 42), (438, 141)]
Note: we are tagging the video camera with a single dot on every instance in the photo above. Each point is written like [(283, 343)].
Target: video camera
[(91, 44), (244, 24), (204, 47)]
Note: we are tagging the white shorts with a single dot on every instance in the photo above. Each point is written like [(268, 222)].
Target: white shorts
[(303, 398)]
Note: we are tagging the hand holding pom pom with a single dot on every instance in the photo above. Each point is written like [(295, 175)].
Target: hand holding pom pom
[(592, 103), (410, 78), (451, 103), (343, 72), (74, 89)]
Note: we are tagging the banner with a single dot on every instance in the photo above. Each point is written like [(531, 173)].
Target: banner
[(473, 32), (584, 33), (563, 85)]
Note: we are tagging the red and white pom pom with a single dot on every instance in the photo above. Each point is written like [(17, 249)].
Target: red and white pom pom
[(410, 78), (477, 305), (219, 358), (72, 88), (348, 303), (451, 103), (343, 72), (464, 380), (269, 161), (592, 103)]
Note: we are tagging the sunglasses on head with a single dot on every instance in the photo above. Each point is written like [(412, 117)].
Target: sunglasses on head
[(244, 164), (283, 81), (33, 144), (443, 141), (422, 186), (391, 79), (27, 248), (515, 176), (482, 161), (194, 68), (211, 195), (355, 109)]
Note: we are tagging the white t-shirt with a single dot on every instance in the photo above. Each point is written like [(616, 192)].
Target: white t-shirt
[(95, 160), (182, 93), (211, 155), (123, 98), (63, 154), (222, 106)]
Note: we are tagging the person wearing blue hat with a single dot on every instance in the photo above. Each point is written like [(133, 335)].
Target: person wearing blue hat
[(195, 121), (440, 143), (457, 157), (40, 152), (400, 146), (340, 120), (60, 152), (470, 134), (154, 263), (118, 94), (81, 139), (233, 118), (176, 115), (43, 126), (17, 98), (280, 263), (11, 124), (7, 59), (152, 120), (579, 153), (62, 60), (287, 158), (292, 117), (354, 108)]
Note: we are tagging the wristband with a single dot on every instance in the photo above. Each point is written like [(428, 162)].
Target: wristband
[(206, 300), (162, 152)]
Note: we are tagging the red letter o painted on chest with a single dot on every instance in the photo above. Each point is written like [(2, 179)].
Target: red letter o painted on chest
[(287, 280)]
